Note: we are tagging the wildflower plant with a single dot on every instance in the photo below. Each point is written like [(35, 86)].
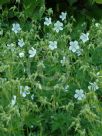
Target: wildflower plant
[(48, 82)]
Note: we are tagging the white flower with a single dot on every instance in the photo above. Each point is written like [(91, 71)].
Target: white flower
[(27, 88), (93, 86), (74, 46), (58, 26), (16, 28), (63, 61), (63, 16), (13, 101), (52, 45), (79, 52), (47, 21), (66, 88), (21, 54), (79, 94), (32, 52), (23, 93), (84, 37), (21, 42), (24, 90)]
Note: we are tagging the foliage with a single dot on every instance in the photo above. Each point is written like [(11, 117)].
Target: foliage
[(44, 80), (32, 9), (99, 1)]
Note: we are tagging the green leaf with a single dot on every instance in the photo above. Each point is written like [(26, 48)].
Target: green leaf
[(4, 1), (71, 2), (97, 56), (34, 9), (99, 1)]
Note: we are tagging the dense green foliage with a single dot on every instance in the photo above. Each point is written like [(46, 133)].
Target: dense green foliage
[(50, 70), (34, 9)]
